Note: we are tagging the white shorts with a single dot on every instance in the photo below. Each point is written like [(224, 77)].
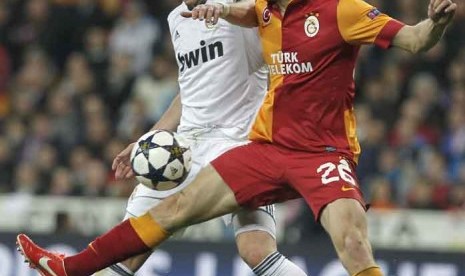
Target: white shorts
[(206, 145)]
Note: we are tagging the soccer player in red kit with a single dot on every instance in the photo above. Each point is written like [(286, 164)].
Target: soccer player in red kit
[(303, 142)]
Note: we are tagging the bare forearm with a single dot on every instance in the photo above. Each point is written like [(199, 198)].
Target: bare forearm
[(427, 33), (420, 37), (172, 116), (242, 14)]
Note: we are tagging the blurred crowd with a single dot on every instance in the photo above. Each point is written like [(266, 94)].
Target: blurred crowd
[(80, 79)]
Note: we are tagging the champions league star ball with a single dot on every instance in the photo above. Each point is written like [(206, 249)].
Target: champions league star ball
[(161, 159)]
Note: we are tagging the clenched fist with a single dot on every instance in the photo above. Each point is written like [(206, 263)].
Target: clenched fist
[(441, 11)]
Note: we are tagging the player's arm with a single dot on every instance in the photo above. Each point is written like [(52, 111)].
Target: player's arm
[(360, 23), (427, 33), (240, 13), (172, 116)]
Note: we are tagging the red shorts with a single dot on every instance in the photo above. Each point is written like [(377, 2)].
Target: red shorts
[(261, 174)]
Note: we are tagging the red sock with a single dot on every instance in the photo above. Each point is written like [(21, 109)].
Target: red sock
[(129, 238)]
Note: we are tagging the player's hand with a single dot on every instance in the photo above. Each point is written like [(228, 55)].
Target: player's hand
[(441, 11), (210, 12), (122, 163)]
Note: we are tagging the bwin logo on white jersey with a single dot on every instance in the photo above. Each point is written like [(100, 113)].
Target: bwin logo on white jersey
[(201, 55)]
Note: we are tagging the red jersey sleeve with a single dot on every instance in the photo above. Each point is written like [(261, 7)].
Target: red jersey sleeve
[(360, 23)]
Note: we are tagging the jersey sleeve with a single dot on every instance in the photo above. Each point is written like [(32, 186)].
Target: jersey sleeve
[(360, 23)]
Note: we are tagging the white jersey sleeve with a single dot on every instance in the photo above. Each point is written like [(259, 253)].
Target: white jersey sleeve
[(220, 82)]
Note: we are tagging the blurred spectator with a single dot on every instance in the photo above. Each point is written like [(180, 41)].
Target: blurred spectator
[(425, 91), (7, 165), (31, 83), (26, 179), (457, 197), (372, 145), (31, 28), (456, 71), (4, 69), (381, 194), (65, 121), (15, 132), (135, 34), (457, 192), (133, 121), (408, 10), (61, 183), (78, 79), (157, 88), (4, 19), (421, 195), (38, 137), (433, 168), (119, 81), (380, 101), (96, 179), (454, 139), (78, 160), (45, 162), (96, 52)]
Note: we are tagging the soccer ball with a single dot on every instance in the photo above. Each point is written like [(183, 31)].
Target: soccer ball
[(161, 159)]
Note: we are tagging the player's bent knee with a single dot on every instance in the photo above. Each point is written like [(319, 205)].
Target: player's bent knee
[(254, 254), (255, 246)]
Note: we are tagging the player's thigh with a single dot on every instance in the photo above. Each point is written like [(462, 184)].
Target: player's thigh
[(205, 198), (343, 216), (324, 178)]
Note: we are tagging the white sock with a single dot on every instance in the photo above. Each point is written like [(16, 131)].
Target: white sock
[(277, 265), (115, 270)]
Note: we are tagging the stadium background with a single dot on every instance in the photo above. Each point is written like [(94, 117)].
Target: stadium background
[(80, 79)]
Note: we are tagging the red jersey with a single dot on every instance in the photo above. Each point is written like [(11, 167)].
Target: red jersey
[(311, 53)]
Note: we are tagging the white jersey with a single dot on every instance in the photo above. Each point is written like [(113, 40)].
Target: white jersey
[(222, 85), (221, 78)]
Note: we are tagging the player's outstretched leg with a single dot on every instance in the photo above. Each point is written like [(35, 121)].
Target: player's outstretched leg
[(206, 198), (256, 242), (141, 201), (125, 268), (345, 222)]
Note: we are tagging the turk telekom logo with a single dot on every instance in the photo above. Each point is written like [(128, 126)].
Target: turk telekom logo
[(266, 16)]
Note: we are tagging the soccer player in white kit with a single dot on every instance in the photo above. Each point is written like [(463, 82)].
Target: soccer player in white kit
[(222, 84)]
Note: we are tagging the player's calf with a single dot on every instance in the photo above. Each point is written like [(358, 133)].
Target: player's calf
[(345, 222)]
